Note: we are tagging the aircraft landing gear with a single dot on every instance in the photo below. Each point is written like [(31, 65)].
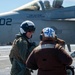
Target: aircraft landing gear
[(70, 70)]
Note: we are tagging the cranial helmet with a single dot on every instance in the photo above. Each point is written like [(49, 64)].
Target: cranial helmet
[(47, 33), (27, 26)]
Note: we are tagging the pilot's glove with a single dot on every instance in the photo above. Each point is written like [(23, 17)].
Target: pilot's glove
[(59, 41)]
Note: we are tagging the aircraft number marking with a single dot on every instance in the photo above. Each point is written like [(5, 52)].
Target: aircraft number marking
[(4, 21)]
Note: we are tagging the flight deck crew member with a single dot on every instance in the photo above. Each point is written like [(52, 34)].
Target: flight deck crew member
[(49, 57), (21, 49)]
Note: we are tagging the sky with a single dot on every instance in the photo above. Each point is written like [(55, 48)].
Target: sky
[(8, 5)]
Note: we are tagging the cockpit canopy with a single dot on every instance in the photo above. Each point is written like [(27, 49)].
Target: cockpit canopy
[(41, 5)]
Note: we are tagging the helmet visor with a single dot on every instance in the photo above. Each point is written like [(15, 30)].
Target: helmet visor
[(31, 29)]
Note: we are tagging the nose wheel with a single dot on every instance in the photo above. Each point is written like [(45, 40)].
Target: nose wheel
[(70, 70)]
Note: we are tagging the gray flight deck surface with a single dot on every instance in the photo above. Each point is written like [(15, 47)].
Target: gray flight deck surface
[(5, 64)]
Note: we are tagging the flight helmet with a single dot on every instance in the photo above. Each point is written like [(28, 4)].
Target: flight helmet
[(27, 26), (47, 33)]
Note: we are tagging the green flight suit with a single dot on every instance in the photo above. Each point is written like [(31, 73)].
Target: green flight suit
[(20, 50)]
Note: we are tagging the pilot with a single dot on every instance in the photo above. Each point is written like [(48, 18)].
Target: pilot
[(21, 48), (49, 57)]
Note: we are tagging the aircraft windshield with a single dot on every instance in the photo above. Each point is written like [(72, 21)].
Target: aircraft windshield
[(51, 4), (47, 4), (64, 3)]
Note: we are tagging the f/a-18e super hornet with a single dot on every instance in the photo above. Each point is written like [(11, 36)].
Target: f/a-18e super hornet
[(43, 14)]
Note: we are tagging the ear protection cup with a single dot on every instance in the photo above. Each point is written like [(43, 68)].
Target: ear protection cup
[(41, 35)]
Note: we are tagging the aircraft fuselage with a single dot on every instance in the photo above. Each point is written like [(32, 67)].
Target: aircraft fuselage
[(10, 23)]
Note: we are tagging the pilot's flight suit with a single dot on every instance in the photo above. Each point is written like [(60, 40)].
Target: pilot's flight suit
[(49, 59), (20, 50)]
